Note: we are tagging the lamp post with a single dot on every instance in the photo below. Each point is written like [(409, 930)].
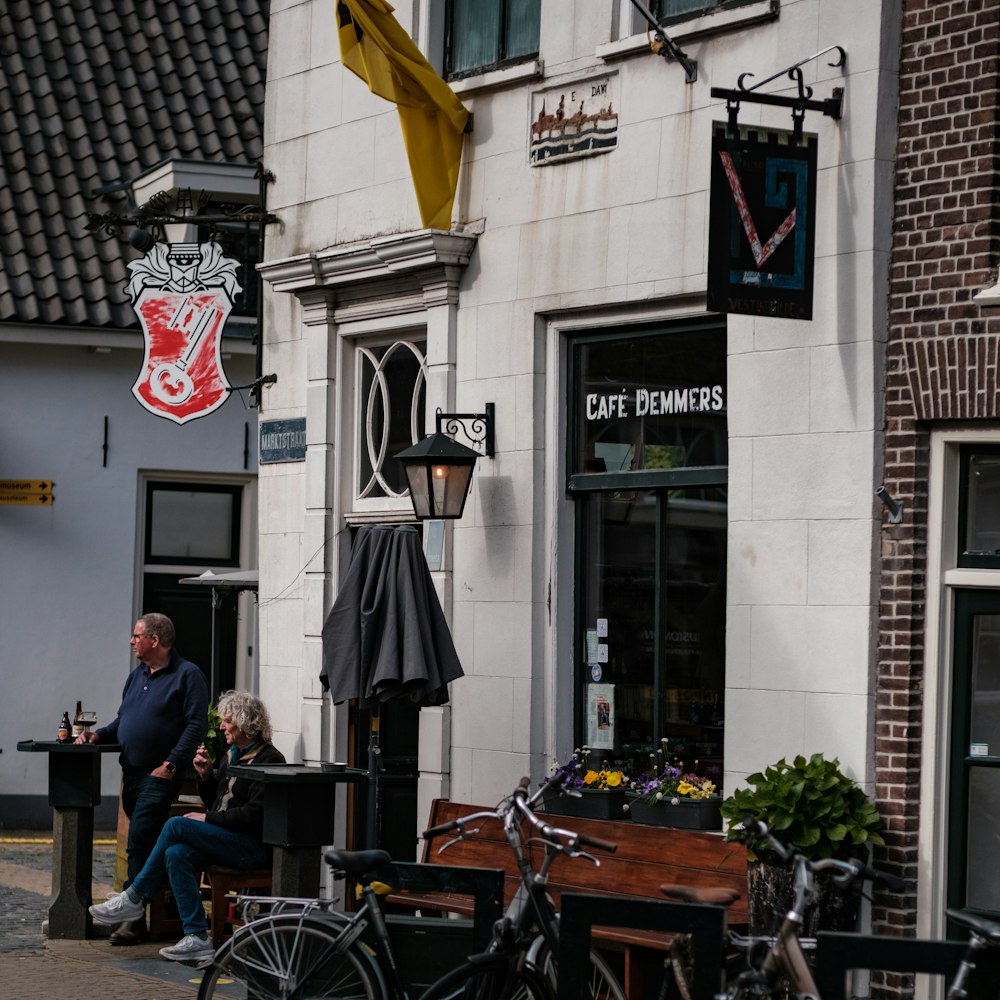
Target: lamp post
[(438, 469)]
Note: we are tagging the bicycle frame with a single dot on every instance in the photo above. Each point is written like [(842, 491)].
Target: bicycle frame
[(786, 955)]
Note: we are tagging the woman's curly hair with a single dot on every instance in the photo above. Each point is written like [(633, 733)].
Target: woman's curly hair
[(248, 712)]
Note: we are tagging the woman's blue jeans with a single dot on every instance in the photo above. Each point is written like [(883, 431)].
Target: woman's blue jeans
[(182, 851)]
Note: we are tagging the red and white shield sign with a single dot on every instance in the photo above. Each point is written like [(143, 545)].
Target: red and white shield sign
[(181, 376)]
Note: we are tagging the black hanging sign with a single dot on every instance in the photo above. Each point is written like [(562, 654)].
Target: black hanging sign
[(762, 223)]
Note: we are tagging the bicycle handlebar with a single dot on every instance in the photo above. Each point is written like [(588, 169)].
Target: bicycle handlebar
[(847, 871), (567, 841)]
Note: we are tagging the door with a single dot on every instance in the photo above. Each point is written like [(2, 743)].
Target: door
[(191, 527), (974, 799), (652, 568)]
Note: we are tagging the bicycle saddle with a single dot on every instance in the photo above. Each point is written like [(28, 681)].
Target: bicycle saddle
[(714, 896), (356, 863), (984, 927)]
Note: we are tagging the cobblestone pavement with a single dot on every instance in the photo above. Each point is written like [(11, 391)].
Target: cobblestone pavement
[(32, 967), (26, 885)]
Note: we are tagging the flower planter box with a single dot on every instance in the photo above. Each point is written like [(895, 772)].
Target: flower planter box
[(687, 814), (592, 804)]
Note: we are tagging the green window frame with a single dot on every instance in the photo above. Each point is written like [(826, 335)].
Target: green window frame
[(978, 542)]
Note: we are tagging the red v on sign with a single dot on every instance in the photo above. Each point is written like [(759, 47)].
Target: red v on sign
[(760, 253)]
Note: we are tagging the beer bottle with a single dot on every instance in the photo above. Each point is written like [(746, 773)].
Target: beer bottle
[(65, 728), (78, 726)]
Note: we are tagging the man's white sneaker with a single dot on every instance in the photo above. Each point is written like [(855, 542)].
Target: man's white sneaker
[(190, 948), (117, 910)]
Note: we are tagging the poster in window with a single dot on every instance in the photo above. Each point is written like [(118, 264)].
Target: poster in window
[(601, 716), (762, 223)]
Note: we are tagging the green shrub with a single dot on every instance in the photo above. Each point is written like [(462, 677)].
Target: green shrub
[(809, 804)]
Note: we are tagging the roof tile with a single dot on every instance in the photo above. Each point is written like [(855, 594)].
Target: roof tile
[(90, 93)]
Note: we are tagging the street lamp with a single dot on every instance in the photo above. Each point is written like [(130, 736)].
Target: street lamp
[(439, 469)]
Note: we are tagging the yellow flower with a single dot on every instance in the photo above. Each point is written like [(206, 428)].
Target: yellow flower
[(590, 777), (613, 779)]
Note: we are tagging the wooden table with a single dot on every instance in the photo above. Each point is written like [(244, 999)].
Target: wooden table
[(74, 791)]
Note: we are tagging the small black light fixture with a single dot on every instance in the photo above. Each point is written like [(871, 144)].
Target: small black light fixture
[(892, 505), (439, 469)]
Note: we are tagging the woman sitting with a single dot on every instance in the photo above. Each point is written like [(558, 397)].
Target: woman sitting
[(229, 833)]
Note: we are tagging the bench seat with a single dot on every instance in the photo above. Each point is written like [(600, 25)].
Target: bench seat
[(647, 857)]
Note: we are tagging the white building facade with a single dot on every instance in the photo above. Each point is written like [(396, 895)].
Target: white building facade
[(706, 573)]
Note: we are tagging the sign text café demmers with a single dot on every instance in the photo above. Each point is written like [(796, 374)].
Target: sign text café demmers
[(641, 402)]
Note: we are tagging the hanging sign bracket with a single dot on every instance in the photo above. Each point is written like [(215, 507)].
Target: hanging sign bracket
[(832, 106), (663, 45)]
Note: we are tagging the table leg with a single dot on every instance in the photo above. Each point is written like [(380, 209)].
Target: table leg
[(296, 872), (72, 872)]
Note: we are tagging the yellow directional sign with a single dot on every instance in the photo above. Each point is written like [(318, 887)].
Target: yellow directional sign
[(26, 499), (26, 485), (26, 492)]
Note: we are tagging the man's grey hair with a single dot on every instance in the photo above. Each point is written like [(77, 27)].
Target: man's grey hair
[(160, 625), (248, 712)]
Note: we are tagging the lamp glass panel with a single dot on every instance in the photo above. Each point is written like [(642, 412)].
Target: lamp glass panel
[(417, 475), (450, 490)]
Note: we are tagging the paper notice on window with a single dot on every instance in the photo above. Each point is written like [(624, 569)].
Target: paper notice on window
[(601, 716)]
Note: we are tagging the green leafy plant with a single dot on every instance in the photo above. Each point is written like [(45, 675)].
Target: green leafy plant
[(215, 739), (810, 804)]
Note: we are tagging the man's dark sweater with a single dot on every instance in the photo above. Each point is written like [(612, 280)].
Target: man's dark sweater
[(163, 716)]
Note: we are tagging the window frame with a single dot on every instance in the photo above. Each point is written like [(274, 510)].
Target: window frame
[(233, 490), (500, 63), (965, 559)]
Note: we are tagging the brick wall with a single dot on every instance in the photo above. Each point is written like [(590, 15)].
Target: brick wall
[(941, 357)]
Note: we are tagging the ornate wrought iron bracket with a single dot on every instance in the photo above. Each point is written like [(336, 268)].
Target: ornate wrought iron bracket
[(663, 45), (832, 106), (477, 427), (151, 218)]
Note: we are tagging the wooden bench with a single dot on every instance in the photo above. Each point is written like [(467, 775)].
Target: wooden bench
[(647, 857)]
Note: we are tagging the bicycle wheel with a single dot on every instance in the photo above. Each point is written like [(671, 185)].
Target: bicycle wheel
[(602, 981), (489, 977), (275, 956)]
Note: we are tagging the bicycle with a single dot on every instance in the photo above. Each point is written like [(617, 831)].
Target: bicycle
[(779, 965), (305, 949)]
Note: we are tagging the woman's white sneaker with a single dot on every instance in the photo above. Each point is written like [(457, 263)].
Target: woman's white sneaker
[(190, 948), (117, 910)]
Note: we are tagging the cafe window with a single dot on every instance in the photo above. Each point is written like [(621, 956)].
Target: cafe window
[(648, 474), (489, 34)]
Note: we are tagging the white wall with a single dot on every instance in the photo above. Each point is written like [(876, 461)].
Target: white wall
[(622, 234), (68, 585)]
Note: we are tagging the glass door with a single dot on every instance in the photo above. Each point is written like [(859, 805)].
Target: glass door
[(651, 641), (974, 806)]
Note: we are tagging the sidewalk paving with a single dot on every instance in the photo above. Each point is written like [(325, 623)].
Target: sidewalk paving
[(33, 967)]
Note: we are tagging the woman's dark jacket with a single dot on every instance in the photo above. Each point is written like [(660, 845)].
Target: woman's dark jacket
[(236, 803)]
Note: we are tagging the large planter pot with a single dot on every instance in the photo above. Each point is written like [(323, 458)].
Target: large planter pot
[(769, 891), (686, 814), (608, 803)]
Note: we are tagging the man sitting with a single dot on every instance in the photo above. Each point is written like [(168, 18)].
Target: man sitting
[(229, 833)]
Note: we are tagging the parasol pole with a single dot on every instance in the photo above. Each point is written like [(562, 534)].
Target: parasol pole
[(374, 763)]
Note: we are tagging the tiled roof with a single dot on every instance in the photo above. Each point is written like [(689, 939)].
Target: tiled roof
[(93, 92)]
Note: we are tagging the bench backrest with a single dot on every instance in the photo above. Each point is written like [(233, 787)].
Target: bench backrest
[(647, 857)]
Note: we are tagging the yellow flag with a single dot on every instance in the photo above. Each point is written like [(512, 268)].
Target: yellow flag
[(375, 47)]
